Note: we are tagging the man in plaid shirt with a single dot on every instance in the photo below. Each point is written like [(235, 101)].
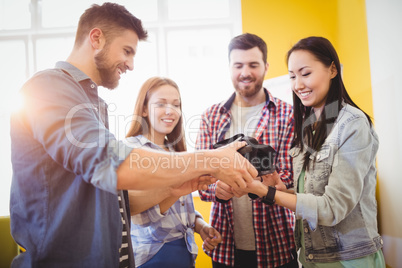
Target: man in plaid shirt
[(253, 234)]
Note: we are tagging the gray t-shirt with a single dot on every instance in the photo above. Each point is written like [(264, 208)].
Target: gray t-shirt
[(244, 120)]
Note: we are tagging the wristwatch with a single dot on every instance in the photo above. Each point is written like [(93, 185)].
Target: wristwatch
[(269, 199)]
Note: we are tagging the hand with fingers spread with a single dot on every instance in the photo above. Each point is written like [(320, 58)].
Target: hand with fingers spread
[(235, 170), (273, 179), (226, 192), (223, 191), (253, 187), (261, 184)]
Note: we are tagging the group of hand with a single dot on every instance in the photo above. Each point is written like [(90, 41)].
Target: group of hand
[(236, 178)]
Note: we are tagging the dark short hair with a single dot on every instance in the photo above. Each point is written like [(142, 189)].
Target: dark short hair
[(111, 18), (248, 41)]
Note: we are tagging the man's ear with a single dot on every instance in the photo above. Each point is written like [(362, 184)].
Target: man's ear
[(96, 38), (334, 71), (266, 68)]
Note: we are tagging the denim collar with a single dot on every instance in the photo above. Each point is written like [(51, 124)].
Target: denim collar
[(75, 73)]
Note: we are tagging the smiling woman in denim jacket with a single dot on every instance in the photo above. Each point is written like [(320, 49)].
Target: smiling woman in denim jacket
[(334, 153)]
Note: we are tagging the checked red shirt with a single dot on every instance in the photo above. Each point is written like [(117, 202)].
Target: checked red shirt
[(273, 225)]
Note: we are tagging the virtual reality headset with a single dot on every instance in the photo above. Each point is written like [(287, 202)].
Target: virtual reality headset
[(261, 156)]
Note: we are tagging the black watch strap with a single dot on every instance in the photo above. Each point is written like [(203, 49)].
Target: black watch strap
[(269, 199)]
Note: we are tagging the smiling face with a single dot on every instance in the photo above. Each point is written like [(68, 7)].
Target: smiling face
[(247, 70), (163, 112), (310, 78), (115, 58)]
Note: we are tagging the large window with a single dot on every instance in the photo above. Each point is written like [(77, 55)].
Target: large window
[(187, 42)]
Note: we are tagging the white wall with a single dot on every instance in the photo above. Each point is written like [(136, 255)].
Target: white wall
[(384, 23), (280, 88)]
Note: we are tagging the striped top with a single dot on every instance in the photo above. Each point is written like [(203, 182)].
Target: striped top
[(125, 251)]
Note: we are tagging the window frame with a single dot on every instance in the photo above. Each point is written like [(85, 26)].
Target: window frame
[(160, 27)]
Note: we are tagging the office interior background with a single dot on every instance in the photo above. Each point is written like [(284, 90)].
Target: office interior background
[(188, 42)]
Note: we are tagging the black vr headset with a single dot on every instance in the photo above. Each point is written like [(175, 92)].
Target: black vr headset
[(261, 156)]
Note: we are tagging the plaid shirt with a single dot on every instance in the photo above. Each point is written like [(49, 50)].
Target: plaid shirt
[(273, 225)]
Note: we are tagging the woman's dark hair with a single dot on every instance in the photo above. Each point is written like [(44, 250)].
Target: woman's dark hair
[(304, 117)]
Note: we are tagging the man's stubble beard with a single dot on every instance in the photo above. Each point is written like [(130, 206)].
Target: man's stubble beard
[(246, 92), (106, 72)]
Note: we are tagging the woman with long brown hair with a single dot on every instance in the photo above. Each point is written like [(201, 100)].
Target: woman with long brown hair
[(163, 223)]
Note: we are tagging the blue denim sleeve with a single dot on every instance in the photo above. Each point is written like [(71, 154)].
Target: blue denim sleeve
[(65, 122), (105, 176)]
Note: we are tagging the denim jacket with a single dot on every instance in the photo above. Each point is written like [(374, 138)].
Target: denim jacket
[(338, 206)]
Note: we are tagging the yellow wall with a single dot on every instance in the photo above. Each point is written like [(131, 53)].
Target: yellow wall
[(281, 23), (203, 260), (352, 47), (343, 22)]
